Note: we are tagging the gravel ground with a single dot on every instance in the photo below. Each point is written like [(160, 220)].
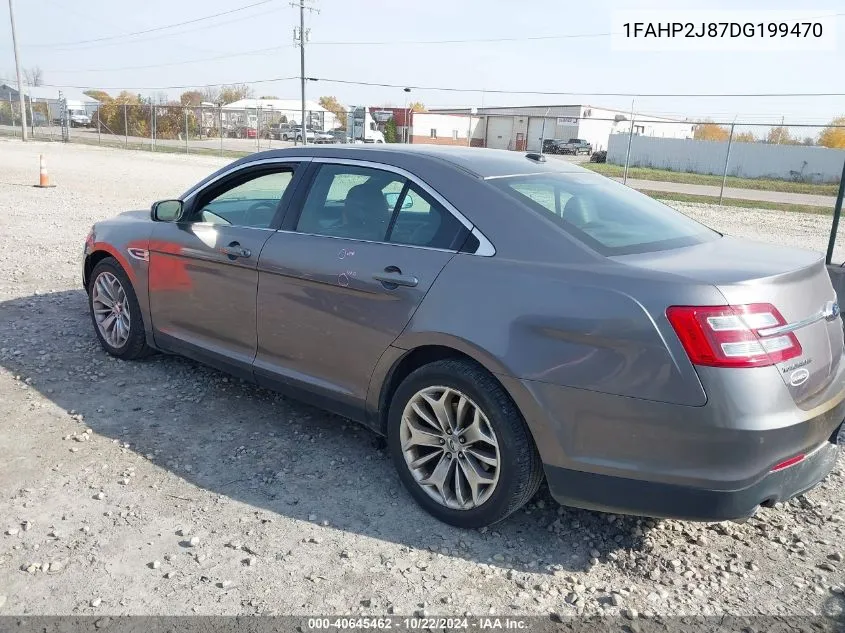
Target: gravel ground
[(164, 487)]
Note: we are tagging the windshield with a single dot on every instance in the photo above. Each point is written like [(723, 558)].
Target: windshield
[(607, 216)]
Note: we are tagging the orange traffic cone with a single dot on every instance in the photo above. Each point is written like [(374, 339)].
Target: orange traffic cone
[(43, 178)]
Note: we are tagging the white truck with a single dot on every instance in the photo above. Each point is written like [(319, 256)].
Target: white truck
[(363, 127), (77, 113)]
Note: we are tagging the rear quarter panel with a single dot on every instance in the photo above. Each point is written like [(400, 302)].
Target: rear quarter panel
[(598, 327)]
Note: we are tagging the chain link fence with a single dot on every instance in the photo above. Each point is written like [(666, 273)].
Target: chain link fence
[(172, 128)]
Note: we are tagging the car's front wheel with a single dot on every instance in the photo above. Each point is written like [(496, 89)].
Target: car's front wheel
[(115, 312), (460, 444)]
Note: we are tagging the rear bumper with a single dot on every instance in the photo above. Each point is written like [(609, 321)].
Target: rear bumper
[(710, 463), (630, 496)]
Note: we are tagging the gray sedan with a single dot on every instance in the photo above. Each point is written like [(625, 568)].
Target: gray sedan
[(501, 318)]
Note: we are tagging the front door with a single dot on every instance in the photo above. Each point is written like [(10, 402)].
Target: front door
[(203, 269), (338, 287)]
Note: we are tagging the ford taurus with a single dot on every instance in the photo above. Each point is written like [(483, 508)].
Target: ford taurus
[(501, 318)]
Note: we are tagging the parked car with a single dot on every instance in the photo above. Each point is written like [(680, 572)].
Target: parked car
[(501, 318), (599, 157), (575, 146), (246, 131), (310, 135), (323, 137), (281, 131), (75, 119), (339, 135), (550, 145)]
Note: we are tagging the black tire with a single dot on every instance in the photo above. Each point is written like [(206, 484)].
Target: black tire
[(135, 346), (521, 470)]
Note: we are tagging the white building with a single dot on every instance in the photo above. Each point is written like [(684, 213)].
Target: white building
[(446, 129), (76, 101), (286, 110), (524, 128)]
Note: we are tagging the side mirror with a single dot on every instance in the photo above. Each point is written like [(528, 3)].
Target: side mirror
[(167, 211), (393, 198)]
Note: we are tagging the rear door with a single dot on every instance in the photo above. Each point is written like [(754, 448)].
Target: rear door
[(203, 274), (341, 281)]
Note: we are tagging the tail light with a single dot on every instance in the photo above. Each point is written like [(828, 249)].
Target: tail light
[(729, 336)]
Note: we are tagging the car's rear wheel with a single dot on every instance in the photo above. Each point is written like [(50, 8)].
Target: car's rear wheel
[(115, 312), (460, 444)]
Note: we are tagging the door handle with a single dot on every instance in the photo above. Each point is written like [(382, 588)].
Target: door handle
[(393, 278), (234, 250)]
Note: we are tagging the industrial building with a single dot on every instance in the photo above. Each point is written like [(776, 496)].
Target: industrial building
[(523, 128)]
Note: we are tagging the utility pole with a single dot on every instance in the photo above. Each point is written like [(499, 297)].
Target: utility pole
[(301, 38), (18, 71), (406, 135), (630, 138)]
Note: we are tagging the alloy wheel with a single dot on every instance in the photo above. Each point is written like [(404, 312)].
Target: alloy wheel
[(450, 447), (111, 309)]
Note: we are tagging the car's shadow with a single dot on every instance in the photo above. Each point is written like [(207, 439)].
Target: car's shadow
[(278, 455)]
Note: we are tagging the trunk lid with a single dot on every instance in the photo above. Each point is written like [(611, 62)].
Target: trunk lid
[(794, 281)]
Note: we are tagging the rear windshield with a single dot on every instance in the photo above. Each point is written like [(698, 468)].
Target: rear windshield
[(603, 214)]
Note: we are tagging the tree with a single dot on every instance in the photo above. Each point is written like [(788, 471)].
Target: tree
[(780, 136), (808, 140), (100, 95), (33, 76), (709, 131), (134, 119), (235, 92), (745, 137), (191, 98), (390, 133), (226, 94), (416, 106), (834, 136), (210, 94), (333, 105)]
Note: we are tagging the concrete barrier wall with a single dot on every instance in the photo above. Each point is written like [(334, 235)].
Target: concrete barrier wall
[(749, 160)]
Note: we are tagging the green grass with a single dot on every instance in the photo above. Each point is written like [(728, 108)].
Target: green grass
[(760, 184), (733, 202)]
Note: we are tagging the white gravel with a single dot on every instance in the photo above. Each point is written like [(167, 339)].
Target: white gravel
[(197, 494)]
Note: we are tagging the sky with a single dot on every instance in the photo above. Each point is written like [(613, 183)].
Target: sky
[(341, 46)]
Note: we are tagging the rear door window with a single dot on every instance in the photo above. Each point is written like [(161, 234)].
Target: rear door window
[(350, 201), (605, 215), (422, 221)]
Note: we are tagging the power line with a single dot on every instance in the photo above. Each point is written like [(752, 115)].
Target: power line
[(161, 36), (487, 90), (187, 87), (182, 63), (530, 38), (154, 29), (58, 4), (583, 94)]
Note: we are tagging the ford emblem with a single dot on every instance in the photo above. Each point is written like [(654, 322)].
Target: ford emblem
[(798, 377)]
